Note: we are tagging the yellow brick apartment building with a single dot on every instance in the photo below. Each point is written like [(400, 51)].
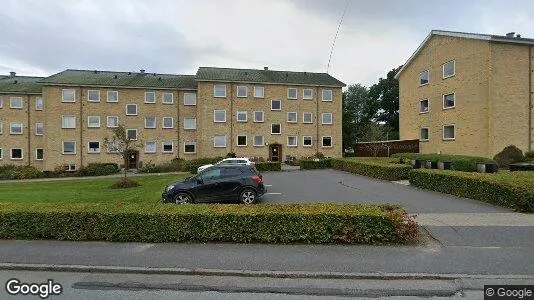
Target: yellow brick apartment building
[(465, 93), (62, 120)]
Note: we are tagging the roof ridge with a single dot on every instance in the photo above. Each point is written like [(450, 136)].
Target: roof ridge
[(282, 71), (123, 72)]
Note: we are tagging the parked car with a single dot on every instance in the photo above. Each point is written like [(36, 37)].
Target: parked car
[(228, 161), (220, 183)]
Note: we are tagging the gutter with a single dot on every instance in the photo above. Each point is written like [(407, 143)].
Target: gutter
[(81, 127), (530, 104), (29, 133)]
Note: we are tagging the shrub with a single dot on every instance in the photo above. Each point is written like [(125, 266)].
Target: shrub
[(268, 166), (512, 190), (311, 164), (459, 162), (529, 156), (98, 169), (124, 183), (510, 154), (191, 166), (277, 223), (20, 172), (173, 166), (373, 168)]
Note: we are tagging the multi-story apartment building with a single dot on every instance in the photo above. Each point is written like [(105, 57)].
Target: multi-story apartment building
[(253, 113), (465, 93)]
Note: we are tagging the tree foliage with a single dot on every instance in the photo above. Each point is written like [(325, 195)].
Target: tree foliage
[(358, 110), (120, 144), (385, 94)]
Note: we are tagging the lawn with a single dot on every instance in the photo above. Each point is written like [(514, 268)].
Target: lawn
[(86, 190)]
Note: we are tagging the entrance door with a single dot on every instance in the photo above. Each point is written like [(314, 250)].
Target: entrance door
[(275, 152), (133, 158)]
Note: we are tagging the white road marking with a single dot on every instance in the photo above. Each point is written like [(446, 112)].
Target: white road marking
[(268, 185), (274, 193)]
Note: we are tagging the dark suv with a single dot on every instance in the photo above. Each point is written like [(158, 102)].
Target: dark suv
[(216, 184)]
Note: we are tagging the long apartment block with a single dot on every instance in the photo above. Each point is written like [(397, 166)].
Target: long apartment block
[(61, 121)]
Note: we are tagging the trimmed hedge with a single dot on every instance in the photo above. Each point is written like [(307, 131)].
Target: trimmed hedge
[(153, 223), (99, 169), (512, 190), (380, 169), (268, 166), (459, 162), (179, 165), (19, 172), (311, 164)]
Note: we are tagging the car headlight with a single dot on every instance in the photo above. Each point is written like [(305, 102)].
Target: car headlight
[(168, 188)]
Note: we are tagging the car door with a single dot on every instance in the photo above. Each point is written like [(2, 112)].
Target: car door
[(230, 183), (208, 186)]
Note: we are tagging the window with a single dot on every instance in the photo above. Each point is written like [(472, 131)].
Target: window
[(292, 141), (39, 104), (68, 122), (424, 77), (150, 147), (69, 168), (68, 95), (219, 141), (423, 106), (276, 105), (219, 116), (327, 141), (448, 101), (423, 134), (258, 141), (190, 123), (292, 117), (168, 98), (131, 134), (168, 122), (150, 122), (449, 69), (1, 102), (307, 117), (16, 153), (276, 129), (113, 121), (1, 127), (448, 132), (113, 96), (259, 92), (168, 147), (213, 174), (93, 121), (306, 141), (93, 96), (131, 109), (190, 147), (327, 95), (219, 91), (242, 91), (241, 116), (292, 93), (15, 102), (69, 147), (15, 128), (39, 128), (241, 140), (258, 116), (307, 94), (190, 99), (93, 147), (1, 153), (150, 97), (39, 154), (327, 118), (113, 146)]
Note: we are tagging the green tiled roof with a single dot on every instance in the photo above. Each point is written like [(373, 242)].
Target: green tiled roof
[(20, 85), (266, 76), (121, 79)]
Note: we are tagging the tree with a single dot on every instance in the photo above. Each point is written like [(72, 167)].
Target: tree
[(358, 111), (386, 94), (123, 146), (373, 133)]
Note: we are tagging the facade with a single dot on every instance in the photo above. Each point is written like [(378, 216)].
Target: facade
[(471, 94), (252, 113)]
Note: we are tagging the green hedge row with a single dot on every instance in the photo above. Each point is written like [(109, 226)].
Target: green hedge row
[(8, 172), (379, 169), (311, 164), (512, 190), (99, 169), (459, 162), (316, 223), (19, 172), (268, 166), (179, 165)]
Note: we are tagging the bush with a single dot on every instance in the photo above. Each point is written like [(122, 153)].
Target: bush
[(157, 223), (124, 183), (509, 155), (380, 169), (459, 162), (311, 164), (191, 166), (19, 172), (179, 165), (529, 156), (268, 166), (512, 190), (98, 169)]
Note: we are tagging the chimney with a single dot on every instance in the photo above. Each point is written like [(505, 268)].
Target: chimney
[(518, 36), (12, 74), (510, 34), (142, 71), (266, 68)]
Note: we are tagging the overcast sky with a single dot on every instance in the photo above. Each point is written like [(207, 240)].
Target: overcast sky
[(45, 37)]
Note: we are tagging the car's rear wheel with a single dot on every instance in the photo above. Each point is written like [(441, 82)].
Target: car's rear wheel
[(248, 196), (183, 198)]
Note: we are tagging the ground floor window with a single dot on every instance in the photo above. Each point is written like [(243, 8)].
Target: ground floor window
[(190, 147), (16, 153), (242, 140), (258, 141), (167, 147), (219, 141), (150, 147), (94, 147), (69, 147), (449, 132), (39, 154), (423, 135), (327, 141), (307, 141), (69, 168)]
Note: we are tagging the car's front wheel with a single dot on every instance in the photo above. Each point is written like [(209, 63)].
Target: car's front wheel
[(248, 196), (183, 198)]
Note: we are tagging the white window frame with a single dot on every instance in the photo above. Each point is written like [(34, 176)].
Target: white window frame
[(454, 131), (21, 154), (190, 144), (190, 127), (1, 102), (331, 118), (16, 123), (279, 124), (11, 102), (421, 78), (296, 140), (262, 116), (152, 143), (331, 141), (331, 95), (39, 103), (108, 97), (114, 117), (421, 111), (69, 167), (63, 95), (166, 94), (215, 146), (276, 109), (163, 144), (36, 128), (296, 114), (1, 127), (163, 123), (245, 113), (246, 91), (454, 98), (215, 89), (304, 94), (128, 135), (453, 69), (136, 110), (262, 141), (63, 126), (89, 122), (237, 140), (304, 117), (215, 113), (155, 122), (421, 134), (296, 93), (152, 93), (89, 147), (256, 88), (112, 144), (36, 155), (304, 139), (63, 148), (89, 93), (188, 95)]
